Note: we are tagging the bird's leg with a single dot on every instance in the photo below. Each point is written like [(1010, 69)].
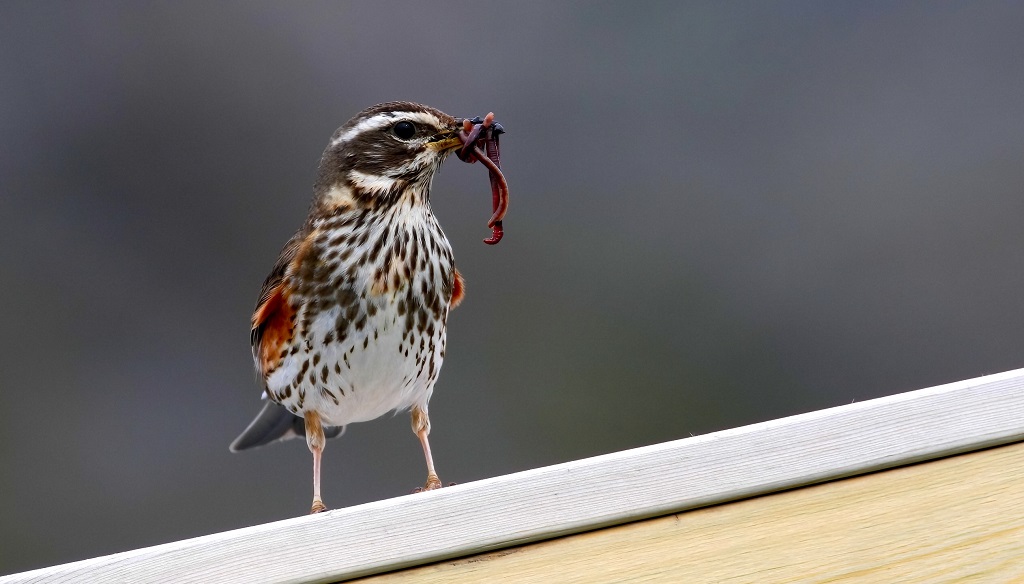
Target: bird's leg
[(421, 427), (316, 441)]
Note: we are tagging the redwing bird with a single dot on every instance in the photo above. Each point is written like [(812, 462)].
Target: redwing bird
[(350, 323)]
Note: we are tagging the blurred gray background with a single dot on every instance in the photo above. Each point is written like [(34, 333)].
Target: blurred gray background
[(722, 213)]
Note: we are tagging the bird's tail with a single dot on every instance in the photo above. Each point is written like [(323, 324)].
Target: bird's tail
[(274, 423)]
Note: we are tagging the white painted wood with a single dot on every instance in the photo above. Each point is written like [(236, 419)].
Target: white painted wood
[(583, 494)]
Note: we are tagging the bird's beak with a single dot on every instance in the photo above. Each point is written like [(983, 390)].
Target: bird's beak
[(445, 141)]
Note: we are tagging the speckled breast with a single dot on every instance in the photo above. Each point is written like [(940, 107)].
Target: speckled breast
[(371, 296)]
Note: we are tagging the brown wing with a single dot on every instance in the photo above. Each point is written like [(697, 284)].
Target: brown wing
[(273, 321)]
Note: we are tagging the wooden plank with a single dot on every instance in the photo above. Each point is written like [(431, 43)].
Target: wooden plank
[(585, 494), (957, 519)]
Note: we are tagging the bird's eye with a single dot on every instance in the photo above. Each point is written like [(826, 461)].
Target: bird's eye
[(404, 130)]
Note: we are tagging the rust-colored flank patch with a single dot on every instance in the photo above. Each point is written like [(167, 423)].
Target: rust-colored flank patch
[(458, 289), (274, 321)]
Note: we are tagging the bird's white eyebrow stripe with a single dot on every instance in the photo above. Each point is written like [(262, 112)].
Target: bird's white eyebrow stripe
[(374, 123), (383, 120)]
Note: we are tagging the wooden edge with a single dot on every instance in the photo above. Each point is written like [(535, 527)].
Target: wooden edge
[(953, 519), (584, 494)]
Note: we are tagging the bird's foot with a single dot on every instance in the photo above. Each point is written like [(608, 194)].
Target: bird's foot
[(318, 506), (432, 483)]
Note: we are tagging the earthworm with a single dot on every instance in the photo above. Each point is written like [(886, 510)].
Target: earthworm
[(475, 132)]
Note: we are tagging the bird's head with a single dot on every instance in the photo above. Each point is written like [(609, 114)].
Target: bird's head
[(384, 155)]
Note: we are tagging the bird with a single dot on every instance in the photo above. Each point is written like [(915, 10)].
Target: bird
[(351, 321)]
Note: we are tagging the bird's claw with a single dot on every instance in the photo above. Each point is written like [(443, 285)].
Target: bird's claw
[(433, 483)]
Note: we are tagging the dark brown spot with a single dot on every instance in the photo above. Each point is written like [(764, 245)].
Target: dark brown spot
[(346, 296), (375, 252), (339, 239), (362, 239), (421, 317), (327, 393)]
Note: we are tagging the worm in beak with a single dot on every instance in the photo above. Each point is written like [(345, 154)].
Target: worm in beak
[(480, 142)]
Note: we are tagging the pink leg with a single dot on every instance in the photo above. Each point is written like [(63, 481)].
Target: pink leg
[(315, 440), (421, 427)]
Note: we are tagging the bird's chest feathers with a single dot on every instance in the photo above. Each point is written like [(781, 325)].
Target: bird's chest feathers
[(380, 255), (362, 275), (371, 299)]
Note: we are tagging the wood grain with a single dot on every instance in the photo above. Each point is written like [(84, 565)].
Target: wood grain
[(583, 495), (958, 519)]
